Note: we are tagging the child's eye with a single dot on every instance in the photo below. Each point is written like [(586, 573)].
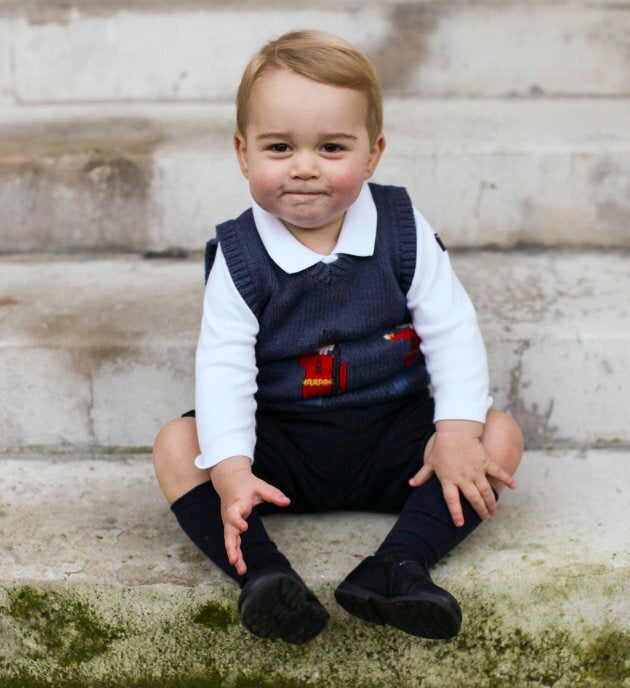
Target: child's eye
[(332, 148), (279, 147)]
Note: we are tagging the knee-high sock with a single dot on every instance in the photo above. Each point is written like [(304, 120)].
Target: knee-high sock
[(425, 529), (199, 514)]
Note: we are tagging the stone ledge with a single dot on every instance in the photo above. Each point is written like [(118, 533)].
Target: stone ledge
[(147, 178), (150, 51), (100, 588), (105, 348)]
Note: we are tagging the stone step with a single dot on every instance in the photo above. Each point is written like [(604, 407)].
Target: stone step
[(101, 352), (153, 178), (127, 50), (99, 587)]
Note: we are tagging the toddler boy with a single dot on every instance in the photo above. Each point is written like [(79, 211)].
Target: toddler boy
[(330, 307)]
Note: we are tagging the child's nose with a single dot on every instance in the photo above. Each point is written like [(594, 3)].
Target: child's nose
[(304, 165)]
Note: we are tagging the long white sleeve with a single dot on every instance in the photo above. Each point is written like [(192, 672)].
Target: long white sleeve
[(445, 319), (225, 371)]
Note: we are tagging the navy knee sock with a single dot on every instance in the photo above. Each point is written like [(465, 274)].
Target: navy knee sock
[(425, 530), (199, 514)]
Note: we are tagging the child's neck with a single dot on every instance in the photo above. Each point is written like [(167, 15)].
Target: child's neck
[(321, 240)]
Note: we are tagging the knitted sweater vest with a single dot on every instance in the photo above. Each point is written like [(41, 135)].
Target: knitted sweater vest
[(336, 334)]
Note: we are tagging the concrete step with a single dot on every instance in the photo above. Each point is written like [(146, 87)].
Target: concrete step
[(99, 587), (101, 352), (131, 50), (153, 178)]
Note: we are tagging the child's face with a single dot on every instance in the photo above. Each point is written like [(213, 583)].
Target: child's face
[(306, 151)]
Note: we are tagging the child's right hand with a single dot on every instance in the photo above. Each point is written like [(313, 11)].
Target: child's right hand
[(240, 491)]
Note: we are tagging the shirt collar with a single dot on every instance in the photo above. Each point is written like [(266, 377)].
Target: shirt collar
[(357, 236)]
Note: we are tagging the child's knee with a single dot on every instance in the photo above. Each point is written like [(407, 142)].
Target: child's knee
[(504, 440), (176, 438), (174, 453)]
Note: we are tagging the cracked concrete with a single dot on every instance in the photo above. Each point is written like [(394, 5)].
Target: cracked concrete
[(534, 422)]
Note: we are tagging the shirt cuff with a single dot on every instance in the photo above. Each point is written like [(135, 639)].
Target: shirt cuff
[(208, 459), (457, 410)]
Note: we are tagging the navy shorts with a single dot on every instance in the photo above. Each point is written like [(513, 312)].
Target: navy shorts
[(358, 458)]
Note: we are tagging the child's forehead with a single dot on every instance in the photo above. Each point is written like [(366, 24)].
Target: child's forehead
[(283, 89), (278, 77)]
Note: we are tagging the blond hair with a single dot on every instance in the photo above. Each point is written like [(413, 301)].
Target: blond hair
[(321, 57)]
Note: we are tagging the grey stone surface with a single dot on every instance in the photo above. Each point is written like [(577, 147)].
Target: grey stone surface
[(157, 177), (155, 51), (504, 172), (101, 352), (99, 587), (113, 340), (6, 77), (88, 518), (554, 327)]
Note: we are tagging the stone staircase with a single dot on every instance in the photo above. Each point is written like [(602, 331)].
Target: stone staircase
[(509, 124)]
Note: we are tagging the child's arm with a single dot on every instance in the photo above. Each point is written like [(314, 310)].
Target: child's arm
[(240, 491), (460, 461), (225, 386), (225, 371), (445, 319)]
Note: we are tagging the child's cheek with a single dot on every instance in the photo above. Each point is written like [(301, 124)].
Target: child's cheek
[(347, 181), (263, 185)]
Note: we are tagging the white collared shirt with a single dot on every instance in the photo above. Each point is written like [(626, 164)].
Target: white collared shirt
[(441, 312)]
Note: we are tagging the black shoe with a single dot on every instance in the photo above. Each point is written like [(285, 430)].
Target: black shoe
[(399, 592), (277, 604)]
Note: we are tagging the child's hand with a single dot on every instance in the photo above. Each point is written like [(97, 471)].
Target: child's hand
[(240, 491), (460, 461)]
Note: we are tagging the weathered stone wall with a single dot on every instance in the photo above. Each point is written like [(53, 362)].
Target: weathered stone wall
[(506, 120)]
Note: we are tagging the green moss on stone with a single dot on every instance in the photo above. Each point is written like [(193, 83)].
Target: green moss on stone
[(216, 615), (607, 657), (59, 626), (26, 681), (178, 638), (272, 682), (512, 655), (210, 680)]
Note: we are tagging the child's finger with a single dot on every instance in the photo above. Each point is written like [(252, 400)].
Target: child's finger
[(451, 497), (477, 500), (271, 494), (235, 517), (232, 540), (485, 489), (239, 564), (421, 476), (499, 473)]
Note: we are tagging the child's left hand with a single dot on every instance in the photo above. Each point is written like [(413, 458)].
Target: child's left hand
[(460, 461), (240, 491)]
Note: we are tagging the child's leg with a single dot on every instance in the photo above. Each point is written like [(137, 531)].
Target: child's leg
[(394, 585), (197, 506), (425, 528), (274, 602)]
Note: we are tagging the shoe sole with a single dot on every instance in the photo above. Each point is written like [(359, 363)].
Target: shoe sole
[(426, 615), (276, 607)]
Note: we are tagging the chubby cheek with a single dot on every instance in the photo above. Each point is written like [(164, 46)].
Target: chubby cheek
[(263, 187), (347, 182)]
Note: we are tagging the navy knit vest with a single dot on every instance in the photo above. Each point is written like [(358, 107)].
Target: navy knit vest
[(336, 334)]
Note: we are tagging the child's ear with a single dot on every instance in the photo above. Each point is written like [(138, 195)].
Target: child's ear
[(375, 155), (240, 146)]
